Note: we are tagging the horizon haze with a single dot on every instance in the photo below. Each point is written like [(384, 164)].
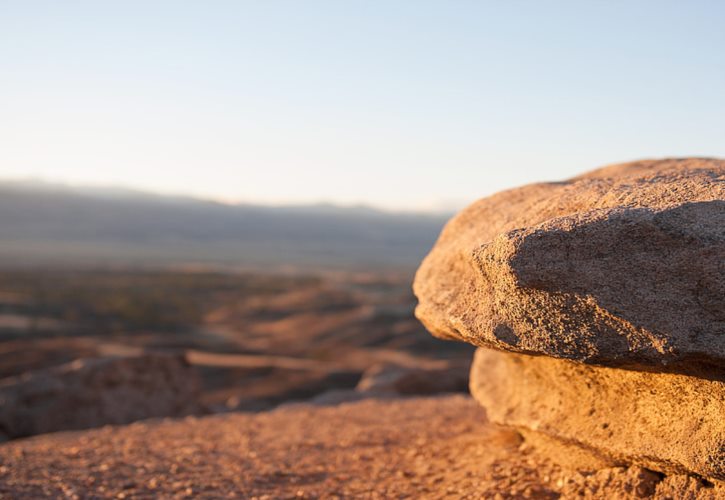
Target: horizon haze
[(50, 224)]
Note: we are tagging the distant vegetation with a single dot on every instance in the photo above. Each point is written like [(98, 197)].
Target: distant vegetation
[(255, 339), (107, 302)]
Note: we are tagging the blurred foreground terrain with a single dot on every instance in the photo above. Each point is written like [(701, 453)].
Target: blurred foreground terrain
[(207, 342)]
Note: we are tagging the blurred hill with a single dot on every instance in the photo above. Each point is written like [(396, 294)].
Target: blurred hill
[(43, 223)]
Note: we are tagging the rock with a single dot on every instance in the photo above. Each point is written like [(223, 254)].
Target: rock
[(332, 397), (633, 482), (667, 422), (94, 392), (636, 482), (624, 266), (392, 379), (434, 447), (689, 488)]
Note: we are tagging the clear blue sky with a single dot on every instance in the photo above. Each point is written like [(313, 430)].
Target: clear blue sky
[(399, 104)]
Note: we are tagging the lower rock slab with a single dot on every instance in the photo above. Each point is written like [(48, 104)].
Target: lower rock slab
[(662, 421)]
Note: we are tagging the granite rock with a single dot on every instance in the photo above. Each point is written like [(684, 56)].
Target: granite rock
[(667, 422), (624, 266)]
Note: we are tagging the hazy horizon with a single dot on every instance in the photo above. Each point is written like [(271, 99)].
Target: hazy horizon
[(37, 184), (442, 208), (422, 106)]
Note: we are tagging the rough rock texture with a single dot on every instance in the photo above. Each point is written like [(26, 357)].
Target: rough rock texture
[(621, 266), (97, 391), (635, 482), (664, 421), (415, 448)]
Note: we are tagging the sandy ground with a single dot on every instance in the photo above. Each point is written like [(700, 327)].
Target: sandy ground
[(408, 448)]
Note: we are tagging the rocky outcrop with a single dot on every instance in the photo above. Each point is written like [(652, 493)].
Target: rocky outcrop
[(419, 448), (598, 304), (97, 391), (620, 267)]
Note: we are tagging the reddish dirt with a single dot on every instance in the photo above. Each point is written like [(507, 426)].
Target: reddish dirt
[(408, 448)]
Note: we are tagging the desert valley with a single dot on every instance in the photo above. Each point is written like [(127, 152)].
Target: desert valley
[(595, 306)]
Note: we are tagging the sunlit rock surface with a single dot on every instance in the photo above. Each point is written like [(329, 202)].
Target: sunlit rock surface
[(663, 421), (623, 266)]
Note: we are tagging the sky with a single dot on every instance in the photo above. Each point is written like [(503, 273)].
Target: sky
[(404, 105)]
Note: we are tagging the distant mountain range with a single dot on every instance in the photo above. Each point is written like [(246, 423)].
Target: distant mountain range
[(44, 223)]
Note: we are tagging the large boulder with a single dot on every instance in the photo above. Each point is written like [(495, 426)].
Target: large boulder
[(663, 421), (624, 266), (93, 392)]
